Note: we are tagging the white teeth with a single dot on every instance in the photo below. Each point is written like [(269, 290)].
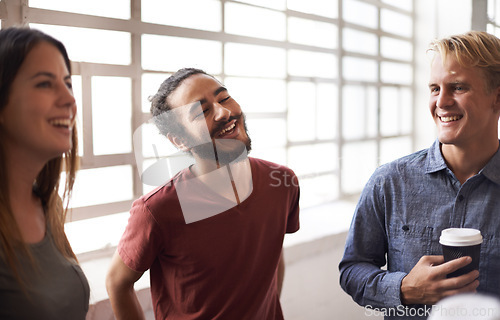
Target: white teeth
[(449, 119), (61, 122), (227, 129)]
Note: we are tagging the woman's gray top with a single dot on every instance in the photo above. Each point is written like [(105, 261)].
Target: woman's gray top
[(56, 288)]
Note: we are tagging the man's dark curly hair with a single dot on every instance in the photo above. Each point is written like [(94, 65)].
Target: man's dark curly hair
[(165, 121)]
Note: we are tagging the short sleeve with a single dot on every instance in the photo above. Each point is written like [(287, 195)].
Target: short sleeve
[(293, 223), (141, 242)]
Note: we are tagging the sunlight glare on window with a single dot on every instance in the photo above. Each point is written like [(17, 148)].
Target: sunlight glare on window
[(111, 115), (359, 41), (272, 4), (240, 19), (301, 111), (313, 33), (402, 4), (312, 64), (258, 95), (395, 22), (91, 45), (394, 148), (360, 13), (76, 82), (252, 60), (359, 112), (102, 185), (325, 8), (391, 72), (360, 69), (358, 163), (164, 53), (267, 132), (327, 111), (103, 236), (207, 15), (396, 49), (119, 9)]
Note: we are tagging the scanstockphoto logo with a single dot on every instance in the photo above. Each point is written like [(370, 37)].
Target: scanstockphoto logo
[(200, 196)]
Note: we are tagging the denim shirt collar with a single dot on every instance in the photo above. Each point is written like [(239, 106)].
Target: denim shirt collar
[(435, 162)]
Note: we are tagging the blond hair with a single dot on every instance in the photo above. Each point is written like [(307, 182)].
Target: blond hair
[(473, 49)]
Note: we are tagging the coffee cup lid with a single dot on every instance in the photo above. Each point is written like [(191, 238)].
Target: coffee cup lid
[(460, 237)]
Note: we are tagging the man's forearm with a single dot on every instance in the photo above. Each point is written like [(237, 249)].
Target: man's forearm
[(125, 304)]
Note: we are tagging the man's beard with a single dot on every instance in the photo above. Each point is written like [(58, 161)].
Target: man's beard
[(224, 151)]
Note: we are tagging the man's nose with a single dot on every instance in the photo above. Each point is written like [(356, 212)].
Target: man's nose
[(445, 99), (221, 113)]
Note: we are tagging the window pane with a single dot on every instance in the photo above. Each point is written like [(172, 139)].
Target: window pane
[(359, 112), (359, 160), (318, 190), (276, 155), (403, 4), (267, 132), (76, 82), (165, 53), (396, 73), (240, 19), (394, 148), (314, 33), (257, 61), (112, 47), (360, 69), (358, 41), (182, 14), (327, 111), (395, 111), (396, 49), (150, 84), (102, 235), (325, 8), (312, 64), (360, 13), (154, 143), (111, 115), (102, 185), (301, 111), (273, 4), (258, 95), (110, 8), (396, 23), (324, 154)]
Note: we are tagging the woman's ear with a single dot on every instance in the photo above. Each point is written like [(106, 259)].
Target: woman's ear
[(177, 142)]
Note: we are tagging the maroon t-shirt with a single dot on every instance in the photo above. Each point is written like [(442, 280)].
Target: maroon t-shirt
[(221, 267)]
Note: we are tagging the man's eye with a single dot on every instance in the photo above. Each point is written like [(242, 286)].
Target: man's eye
[(205, 111), (225, 99)]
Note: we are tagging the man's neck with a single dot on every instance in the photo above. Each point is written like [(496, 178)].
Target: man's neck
[(467, 161)]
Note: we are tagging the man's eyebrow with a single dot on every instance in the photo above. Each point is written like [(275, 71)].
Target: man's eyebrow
[(219, 90), (200, 102)]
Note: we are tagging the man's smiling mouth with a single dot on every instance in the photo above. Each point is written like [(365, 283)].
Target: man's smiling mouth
[(227, 130), (450, 118)]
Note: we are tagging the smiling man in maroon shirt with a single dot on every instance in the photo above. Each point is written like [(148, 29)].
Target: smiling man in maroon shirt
[(212, 236)]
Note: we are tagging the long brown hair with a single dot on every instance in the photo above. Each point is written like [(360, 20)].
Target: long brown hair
[(15, 44)]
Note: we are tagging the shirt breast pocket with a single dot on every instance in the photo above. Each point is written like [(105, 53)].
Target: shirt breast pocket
[(409, 244)]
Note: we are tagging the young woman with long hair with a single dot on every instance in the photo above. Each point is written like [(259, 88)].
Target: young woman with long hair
[(39, 274)]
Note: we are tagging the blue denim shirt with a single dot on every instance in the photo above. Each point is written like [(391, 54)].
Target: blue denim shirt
[(399, 218)]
